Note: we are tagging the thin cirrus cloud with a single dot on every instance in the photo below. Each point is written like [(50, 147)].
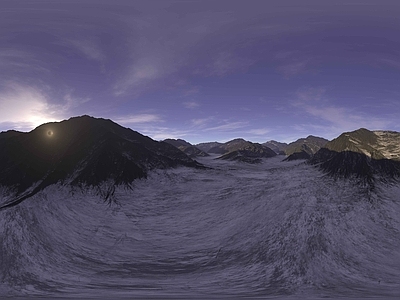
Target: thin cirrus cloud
[(88, 47), (293, 68), (201, 122), (259, 131), (139, 77), (191, 104), (163, 132), (228, 126), (138, 119), (16, 62), (165, 48), (345, 119), (335, 119)]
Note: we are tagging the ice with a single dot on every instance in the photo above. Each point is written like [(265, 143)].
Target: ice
[(282, 230)]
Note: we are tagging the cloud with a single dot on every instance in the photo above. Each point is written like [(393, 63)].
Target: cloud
[(139, 77), (73, 102), (259, 131), (137, 119), (390, 62), (333, 119), (225, 63), (88, 48), (191, 104), (311, 94), (346, 119), (200, 122), (163, 46), (191, 91), (228, 126), (161, 133), (19, 62), (293, 68)]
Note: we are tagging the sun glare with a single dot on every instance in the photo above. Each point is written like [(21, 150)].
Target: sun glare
[(50, 133)]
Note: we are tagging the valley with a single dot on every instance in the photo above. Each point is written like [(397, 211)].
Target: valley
[(275, 228)]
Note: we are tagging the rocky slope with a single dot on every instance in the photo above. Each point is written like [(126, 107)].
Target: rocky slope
[(362, 153), (207, 146), (304, 148), (187, 148), (278, 147)]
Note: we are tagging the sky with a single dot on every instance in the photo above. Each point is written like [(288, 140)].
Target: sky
[(203, 70)]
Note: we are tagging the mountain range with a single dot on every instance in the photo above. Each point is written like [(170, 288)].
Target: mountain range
[(242, 150), (87, 151), (90, 209)]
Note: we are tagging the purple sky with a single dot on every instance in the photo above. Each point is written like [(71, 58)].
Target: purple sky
[(203, 70)]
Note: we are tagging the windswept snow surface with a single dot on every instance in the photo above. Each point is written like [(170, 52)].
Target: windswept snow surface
[(277, 229)]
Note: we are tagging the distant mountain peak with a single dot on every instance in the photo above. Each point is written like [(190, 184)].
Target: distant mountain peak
[(304, 148), (278, 147), (186, 147), (241, 150)]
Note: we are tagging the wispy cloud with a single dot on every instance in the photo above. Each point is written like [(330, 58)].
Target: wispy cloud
[(346, 119), (73, 102), (138, 119), (225, 63), (191, 104), (190, 91), (228, 126), (259, 131), (291, 69), (162, 133), (390, 62), (333, 119), (19, 62), (308, 94), (88, 47), (139, 76), (201, 122), (164, 47)]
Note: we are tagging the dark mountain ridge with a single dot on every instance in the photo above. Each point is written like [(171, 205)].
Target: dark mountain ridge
[(81, 151)]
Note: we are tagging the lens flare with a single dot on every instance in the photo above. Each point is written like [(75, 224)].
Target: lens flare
[(50, 133)]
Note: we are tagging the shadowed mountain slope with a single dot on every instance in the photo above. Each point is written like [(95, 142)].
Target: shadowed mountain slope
[(361, 153), (81, 150)]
